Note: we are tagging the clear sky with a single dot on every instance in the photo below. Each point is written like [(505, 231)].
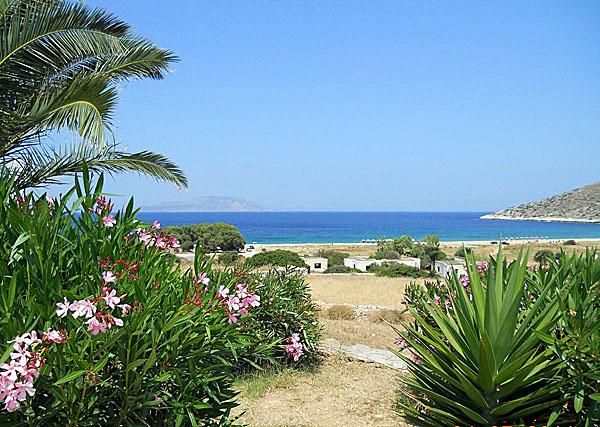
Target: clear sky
[(368, 105)]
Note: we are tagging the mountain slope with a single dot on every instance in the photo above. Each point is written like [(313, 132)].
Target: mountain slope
[(579, 205), (206, 204)]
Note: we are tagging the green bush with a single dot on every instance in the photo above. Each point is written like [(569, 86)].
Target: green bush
[(187, 246), (157, 347), (463, 252), (286, 308), (276, 258), (386, 254), (543, 255), (229, 257), (341, 269), (392, 269), (210, 237), (334, 258), (575, 339), (481, 353)]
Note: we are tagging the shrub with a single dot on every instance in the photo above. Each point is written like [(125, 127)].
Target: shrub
[(276, 258), (210, 237), (334, 258), (463, 252), (392, 269), (187, 246), (543, 255), (229, 257), (386, 254), (341, 269), (339, 312), (386, 315), (570, 242), (479, 359), (286, 309), (133, 339), (575, 339)]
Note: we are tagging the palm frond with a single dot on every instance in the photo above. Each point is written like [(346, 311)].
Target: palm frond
[(40, 166)]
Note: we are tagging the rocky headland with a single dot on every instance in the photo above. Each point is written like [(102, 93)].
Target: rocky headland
[(579, 205)]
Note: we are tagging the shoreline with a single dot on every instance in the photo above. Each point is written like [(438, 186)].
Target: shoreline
[(442, 243), (539, 219)]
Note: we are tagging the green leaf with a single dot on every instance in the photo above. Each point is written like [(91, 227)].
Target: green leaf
[(70, 377)]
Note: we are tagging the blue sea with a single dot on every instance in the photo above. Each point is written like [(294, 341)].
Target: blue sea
[(351, 227)]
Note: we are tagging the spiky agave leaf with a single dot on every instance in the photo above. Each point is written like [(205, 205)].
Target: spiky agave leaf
[(484, 364)]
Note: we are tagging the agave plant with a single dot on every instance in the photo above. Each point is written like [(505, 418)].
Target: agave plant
[(482, 363), (60, 66)]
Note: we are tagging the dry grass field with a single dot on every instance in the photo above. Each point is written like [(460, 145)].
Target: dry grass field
[(359, 290), (339, 393)]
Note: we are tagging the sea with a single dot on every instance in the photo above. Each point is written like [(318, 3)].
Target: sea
[(352, 227)]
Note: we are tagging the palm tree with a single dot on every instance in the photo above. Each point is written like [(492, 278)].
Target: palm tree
[(60, 66)]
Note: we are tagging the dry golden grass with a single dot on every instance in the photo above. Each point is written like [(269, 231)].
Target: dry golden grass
[(340, 393), (339, 312), (359, 290), (350, 332), (483, 251), (393, 316)]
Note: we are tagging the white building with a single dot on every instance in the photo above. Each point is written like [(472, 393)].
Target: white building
[(317, 264), (444, 268), (363, 263)]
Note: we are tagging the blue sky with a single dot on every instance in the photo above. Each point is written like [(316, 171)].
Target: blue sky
[(370, 105)]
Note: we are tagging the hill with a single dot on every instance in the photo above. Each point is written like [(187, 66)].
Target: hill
[(579, 205), (206, 204)]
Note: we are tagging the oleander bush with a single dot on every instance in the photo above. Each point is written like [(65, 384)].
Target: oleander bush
[(287, 315), (505, 345), (104, 329)]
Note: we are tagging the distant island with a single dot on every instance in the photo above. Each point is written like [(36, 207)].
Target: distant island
[(207, 204), (579, 205)]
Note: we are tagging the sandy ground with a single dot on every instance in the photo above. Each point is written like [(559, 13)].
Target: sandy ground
[(340, 393)]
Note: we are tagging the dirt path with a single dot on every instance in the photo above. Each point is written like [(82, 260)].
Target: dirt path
[(341, 393)]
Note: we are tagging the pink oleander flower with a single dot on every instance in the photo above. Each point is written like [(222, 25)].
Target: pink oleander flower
[(63, 308), (241, 290), (295, 348), (53, 336), (156, 225), (144, 236), (22, 389), (108, 277), (125, 308), (401, 342), (252, 300), (232, 317), (437, 300), (82, 308), (223, 292), (111, 299), (233, 303), (414, 358), (109, 221), (50, 201), (203, 278), (175, 243), (95, 326)]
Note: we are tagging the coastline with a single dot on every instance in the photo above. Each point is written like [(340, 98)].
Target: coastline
[(448, 243), (538, 218)]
